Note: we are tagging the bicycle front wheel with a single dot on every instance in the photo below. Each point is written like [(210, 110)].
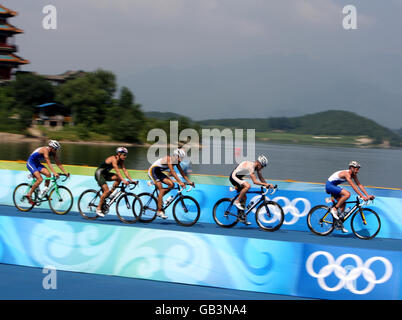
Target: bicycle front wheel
[(149, 207), (320, 220), (269, 216), (129, 208), (225, 213), (366, 224), (87, 203), (186, 211), (20, 201), (61, 200)]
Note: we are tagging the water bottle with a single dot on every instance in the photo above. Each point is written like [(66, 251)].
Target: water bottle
[(113, 194), (250, 204), (168, 200)]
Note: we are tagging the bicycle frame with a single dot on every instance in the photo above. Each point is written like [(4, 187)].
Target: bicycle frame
[(261, 199), (53, 184), (178, 195), (357, 206), (117, 196)]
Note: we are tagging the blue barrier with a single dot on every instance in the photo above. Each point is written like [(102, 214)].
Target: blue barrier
[(259, 265), (295, 198)]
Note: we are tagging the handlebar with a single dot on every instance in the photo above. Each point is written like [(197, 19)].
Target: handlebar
[(274, 189), (364, 202)]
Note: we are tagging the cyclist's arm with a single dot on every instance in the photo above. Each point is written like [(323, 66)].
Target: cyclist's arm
[(183, 174), (255, 181), (353, 185), (173, 172), (116, 168), (123, 167), (56, 159), (361, 187), (47, 159), (263, 180)]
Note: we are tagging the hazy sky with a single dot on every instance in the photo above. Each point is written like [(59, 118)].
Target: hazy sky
[(228, 58)]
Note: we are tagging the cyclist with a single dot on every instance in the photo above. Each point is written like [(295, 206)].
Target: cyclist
[(248, 168), (156, 174), (342, 195), (103, 174), (36, 168)]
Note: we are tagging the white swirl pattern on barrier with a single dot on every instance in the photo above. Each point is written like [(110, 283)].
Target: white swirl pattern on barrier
[(347, 279), (289, 207)]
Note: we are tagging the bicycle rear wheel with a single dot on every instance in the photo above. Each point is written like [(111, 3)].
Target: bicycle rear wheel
[(20, 201), (149, 207), (60, 200), (129, 208), (186, 211), (269, 216), (366, 224), (225, 213), (87, 203), (320, 220)]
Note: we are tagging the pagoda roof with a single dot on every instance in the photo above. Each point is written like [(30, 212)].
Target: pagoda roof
[(7, 12), (12, 58), (4, 26)]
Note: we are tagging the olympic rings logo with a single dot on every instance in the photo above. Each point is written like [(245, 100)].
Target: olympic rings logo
[(290, 207), (347, 279)]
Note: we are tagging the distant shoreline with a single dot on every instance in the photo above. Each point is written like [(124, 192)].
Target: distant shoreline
[(18, 138)]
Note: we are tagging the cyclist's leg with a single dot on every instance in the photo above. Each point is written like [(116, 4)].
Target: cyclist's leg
[(35, 169), (245, 186), (162, 190), (46, 173), (116, 179), (344, 195)]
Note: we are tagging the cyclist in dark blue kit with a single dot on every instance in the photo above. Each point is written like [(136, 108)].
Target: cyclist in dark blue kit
[(36, 168)]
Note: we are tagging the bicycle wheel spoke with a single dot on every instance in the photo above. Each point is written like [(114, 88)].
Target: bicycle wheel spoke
[(60, 200), (366, 224), (128, 208), (225, 213), (186, 211), (320, 221), (269, 216), (87, 204)]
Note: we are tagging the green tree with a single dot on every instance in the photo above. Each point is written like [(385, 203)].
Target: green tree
[(88, 97), (125, 120), (30, 90)]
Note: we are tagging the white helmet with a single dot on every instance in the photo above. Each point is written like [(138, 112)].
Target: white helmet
[(54, 144), (354, 164), (180, 153), (263, 160), (121, 150)]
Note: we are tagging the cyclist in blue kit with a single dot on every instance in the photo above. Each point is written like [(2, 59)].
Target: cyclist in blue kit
[(342, 195), (36, 168)]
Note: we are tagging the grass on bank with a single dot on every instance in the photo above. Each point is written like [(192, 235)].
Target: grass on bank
[(73, 133), (284, 137)]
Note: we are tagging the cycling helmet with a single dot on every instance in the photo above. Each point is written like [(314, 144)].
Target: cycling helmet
[(180, 153), (121, 150), (54, 144), (263, 160), (354, 164)]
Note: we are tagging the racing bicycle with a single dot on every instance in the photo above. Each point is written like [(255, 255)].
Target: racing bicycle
[(59, 197), (269, 214), (186, 210), (128, 204), (365, 222)]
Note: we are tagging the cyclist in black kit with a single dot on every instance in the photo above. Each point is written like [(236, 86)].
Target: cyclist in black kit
[(103, 174)]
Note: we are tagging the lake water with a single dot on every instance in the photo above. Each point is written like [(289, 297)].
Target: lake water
[(380, 167)]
